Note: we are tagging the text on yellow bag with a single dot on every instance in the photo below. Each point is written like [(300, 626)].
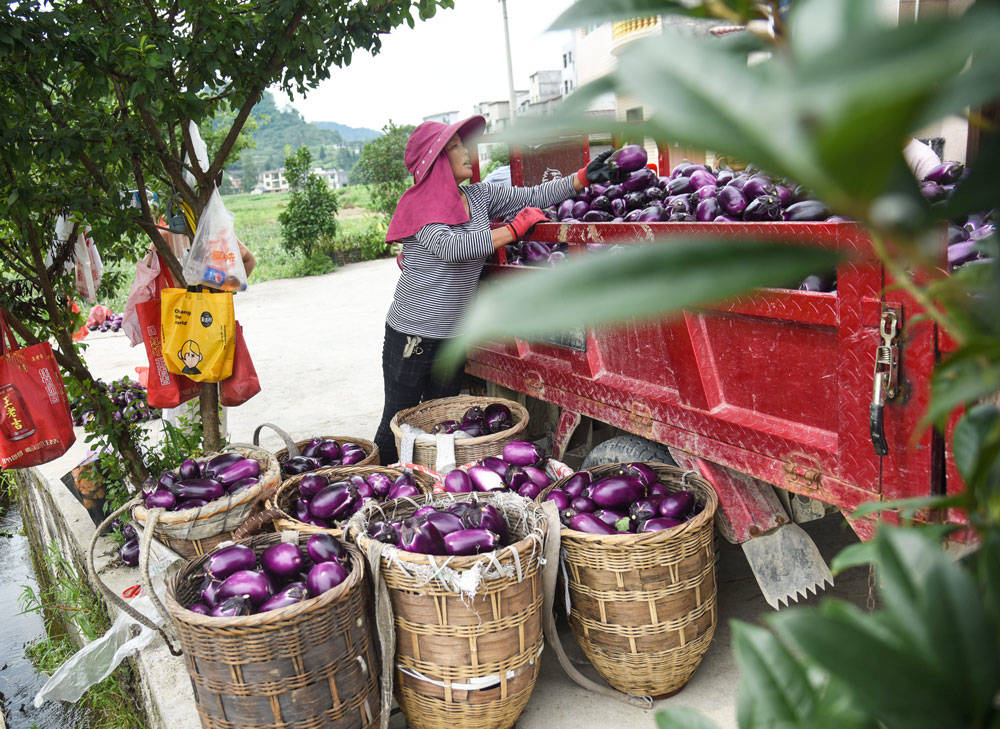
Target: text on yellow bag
[(198, 330)]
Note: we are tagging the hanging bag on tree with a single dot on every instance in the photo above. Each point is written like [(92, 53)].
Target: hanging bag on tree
[(214, 259), (243, 383), (35, 423), (198, 330)]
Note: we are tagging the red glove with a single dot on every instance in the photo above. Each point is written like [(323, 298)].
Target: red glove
[(524, 221)]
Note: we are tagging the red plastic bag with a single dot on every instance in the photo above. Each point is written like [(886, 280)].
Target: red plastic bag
[(243, 383), (164, 389), (35, 422)]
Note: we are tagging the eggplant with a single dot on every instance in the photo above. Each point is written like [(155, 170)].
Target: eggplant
[(324, 548), (190, 468), (962, 252), (618, 207), (576, 483), (756, 186), (220, 463), (814, 282), (497, 465), (559, 497), (129, 552), (732, 200), (654, 193), (458, 482), (659, 524), (325, 576), (248, 583), (529, 490), (589, 523), (129, 532), (224, 562), (723, 177), (282, 560), (807, 210), (190, 504), (311, 484), (565, 209), (485, 516), (616, 491), (629, 158), (522, 453), (485, 479), (707, 210), (643, 509), (497, 417), (596, 216), (537, 476), (614, 192), (705, 192), (763, 208), (676, 504), (199, 488), (681, 218), (350, 456), (515, 478), (405, 490), (291, 595), (601, 202), (422, 511), (641, 471), (234, 607), (242, 485), (639, 180), (632, 216), (471, 541), (583, 504), (312, 448), (566, 514), (421, 538), (652, 214), (471, 428), (328, 451), (679, 185), (302, 509), (332, 501), (381, 531), (160, 500), (244, 468), (209, 587), (580, 208), (946, 173), (700, 178), (609, 517), (169, 478), (380, 483), (932, 191), (636, 200), (445, 522), (299, 464), (200, 608)]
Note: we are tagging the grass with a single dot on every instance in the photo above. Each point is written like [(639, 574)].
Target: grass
[(66, 600)]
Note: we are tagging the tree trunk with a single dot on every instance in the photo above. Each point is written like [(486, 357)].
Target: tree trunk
[(210, 417)]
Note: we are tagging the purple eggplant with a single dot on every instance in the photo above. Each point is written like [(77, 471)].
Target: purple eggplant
[(497, 417), (589, 523), (609, 517), (251, 584), (299, 464), (473, 428), (485, 479), (324, 548), (537, 476), (199, 488), (723, 177), (129, 552), (485, 516), (596, 216), (311, 484), (643, 509), (233, 607), (632, 216), (613, 492), (331, 501), (652, 214), (382, 531), (200, 608), (559, 497), (566, 514), (242, 485), (602, 203), (806, 210), (162, 499), (641, 471), (636, 200), (707, 210), (188, 469), (458, 482), (932, 191), (639, 180), (946, 173), (405, 490), (676, 504), (659, 524), (763, 208), (380, 483), (220, 463), (580, 208), (190, 504), (583, 504), (679, 185), (576, 483), (565, 209), (628, 158), (422, 511), (302, 509), (619, 207), (325, 576), (471, 541), (962, 252), (209, 587), (614, 192), (522, 453), (732, 200), (445, 522), (529, 490), (244, 468), (515, 478), (291, 595), (700, 178), (756, 186), (350, 456), (311, 449), (228, 560), (421, 537), (282, 560), (657, 490), (169, 478)]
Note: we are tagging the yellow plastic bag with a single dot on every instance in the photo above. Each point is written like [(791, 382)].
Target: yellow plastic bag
[(198, 331)]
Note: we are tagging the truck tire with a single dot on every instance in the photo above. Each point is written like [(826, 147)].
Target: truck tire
[(626, 449)]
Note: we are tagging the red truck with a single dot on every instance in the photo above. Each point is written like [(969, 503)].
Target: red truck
[(769, 397)]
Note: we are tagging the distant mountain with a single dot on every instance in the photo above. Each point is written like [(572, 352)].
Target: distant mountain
[(349, 134)]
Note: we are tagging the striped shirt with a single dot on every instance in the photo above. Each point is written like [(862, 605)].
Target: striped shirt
[(442, 263)]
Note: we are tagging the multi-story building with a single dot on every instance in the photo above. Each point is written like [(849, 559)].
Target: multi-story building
[(445, 117), (274, 180), (497, 113)]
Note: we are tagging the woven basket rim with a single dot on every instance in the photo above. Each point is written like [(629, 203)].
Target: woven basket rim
[(454, 561), (518, 412), (369, 447), (259, 620), (174, 518), (420, 478), (643, 539)]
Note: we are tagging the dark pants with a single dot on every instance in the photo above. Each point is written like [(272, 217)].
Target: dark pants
[(409, 380)]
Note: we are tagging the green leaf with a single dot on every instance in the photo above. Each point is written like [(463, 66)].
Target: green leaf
[(908, 507), (681, 717), (638, 281), (967, 375), (976, 446), (978, 191), (864, 553), (595, 12)]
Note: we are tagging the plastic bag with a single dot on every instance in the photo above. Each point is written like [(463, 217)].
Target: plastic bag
[(87, 266), (198, 332), (214, 259)]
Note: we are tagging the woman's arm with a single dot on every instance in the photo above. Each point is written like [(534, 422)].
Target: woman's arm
[(507, 201), (448, 245)]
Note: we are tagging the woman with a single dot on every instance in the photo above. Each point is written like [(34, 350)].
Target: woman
[(446, 238)]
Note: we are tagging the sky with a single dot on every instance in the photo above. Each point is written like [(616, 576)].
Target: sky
[(450, 62)]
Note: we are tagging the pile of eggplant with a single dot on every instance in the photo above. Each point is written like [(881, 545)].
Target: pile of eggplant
[(112, 324), (128, 552), (460, 529), (477, 421), (965, 235), (322, 503), (521, 469), (632, 500), (235, 582), (129, 398), (323, 452), (194, 484)]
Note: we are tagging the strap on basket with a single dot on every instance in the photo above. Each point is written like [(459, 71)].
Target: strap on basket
[(109, 594), (551, 636), (384, 626), (293, 450), (145, 542), (255, 524)]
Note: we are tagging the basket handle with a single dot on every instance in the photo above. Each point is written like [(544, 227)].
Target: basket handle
[(549, 622), (293, 450), (145, 542), (108, 593), (254, 524)]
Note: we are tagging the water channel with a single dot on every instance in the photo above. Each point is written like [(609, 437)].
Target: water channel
[(19, 681)]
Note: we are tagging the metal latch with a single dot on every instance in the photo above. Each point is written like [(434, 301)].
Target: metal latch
[(886, 381)]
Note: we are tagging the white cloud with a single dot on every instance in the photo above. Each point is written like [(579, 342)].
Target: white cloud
[(449, 62)]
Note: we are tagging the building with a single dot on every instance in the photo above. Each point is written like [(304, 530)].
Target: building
[(445, 117), (569, 77), (274, 180), (497, 113)]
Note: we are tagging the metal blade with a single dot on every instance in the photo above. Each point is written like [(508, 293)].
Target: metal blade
[(787, 565)]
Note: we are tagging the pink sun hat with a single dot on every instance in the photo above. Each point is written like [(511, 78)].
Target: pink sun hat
[(434, 197)]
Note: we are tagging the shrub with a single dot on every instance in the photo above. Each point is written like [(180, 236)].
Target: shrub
[(310, 218)]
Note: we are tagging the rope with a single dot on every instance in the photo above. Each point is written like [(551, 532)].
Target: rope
[(384, 626)]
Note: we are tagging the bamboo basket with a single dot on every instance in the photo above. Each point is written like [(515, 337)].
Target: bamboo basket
[(470, 659), (194, 532), (643, 606), (312, 665), (294, 448), (283, 501), (428, 414)]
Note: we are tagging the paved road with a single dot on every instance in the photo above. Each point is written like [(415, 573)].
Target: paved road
[(316, 344)]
